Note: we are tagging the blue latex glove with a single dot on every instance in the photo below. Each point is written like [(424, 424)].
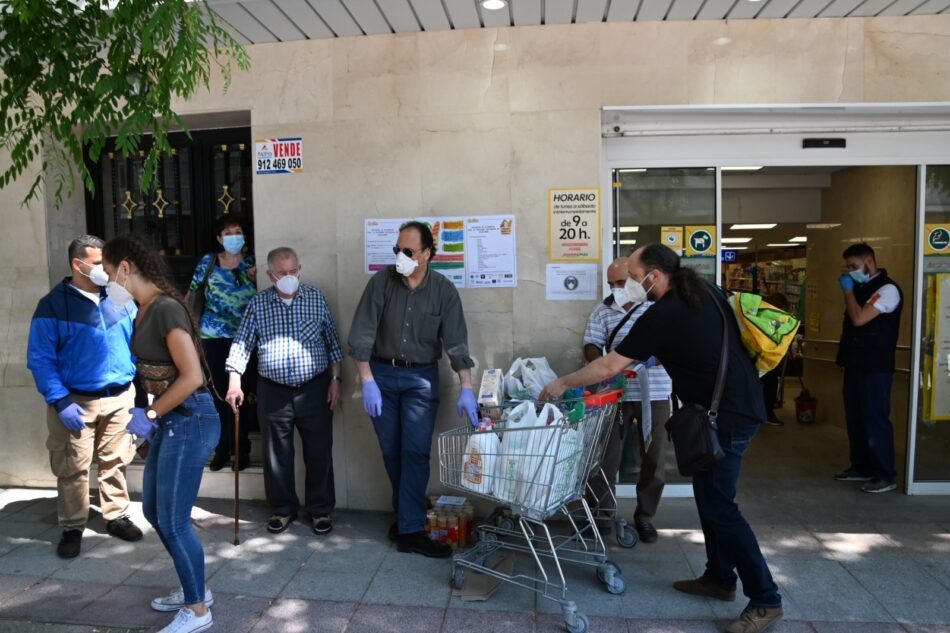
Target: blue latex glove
[(467, 405), (650, 362), (372, 399), (70, 414), (140, 425), (846, 282)]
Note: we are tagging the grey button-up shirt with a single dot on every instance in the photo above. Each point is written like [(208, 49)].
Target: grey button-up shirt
[(394, 321)]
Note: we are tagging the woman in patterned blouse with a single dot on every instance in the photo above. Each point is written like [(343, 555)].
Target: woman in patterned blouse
[(229, 288)]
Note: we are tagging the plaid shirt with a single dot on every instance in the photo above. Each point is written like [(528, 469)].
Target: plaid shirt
[(601, 323), (295, 342)]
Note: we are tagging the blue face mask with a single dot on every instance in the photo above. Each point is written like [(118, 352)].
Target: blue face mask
[(860, 275), (233, 243)]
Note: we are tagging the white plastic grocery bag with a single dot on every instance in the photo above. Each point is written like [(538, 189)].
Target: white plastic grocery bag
[(527, 376), (552, 466), (514, 447), (478, 462)]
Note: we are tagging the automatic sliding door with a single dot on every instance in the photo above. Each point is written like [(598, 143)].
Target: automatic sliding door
[(931, 440), (676, 207)]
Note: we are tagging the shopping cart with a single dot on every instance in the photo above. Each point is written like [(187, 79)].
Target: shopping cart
[(540, 471), (603, 499)]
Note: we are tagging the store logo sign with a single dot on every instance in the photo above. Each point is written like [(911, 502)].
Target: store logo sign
[(939, 239), (701, 241)]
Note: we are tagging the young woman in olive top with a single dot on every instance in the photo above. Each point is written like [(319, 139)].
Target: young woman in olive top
[(181, 423)]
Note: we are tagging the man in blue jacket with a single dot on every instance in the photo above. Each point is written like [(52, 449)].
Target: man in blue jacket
[(81, 361)]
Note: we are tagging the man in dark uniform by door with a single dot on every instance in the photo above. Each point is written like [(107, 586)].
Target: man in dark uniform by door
[(869, 335)]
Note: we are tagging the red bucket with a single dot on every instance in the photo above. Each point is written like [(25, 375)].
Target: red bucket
[(806, 407)]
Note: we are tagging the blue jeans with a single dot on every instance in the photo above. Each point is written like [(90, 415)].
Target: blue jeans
[(867, 410), (404, 429), (731, 545), (173, 469)]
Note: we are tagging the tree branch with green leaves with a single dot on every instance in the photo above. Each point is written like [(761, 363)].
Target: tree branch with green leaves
[(75, 73)]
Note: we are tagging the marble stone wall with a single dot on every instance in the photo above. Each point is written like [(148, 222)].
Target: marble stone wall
[(486, 121)]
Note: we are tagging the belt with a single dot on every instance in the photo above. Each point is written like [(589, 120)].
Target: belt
[(105, 392), (403, 364), (283, 386)]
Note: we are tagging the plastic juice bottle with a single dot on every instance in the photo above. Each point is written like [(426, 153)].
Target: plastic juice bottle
[(452, 531)]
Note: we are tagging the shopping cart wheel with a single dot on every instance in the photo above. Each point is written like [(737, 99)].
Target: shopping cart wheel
[(581, 624), (458, 576), (607, 570), (506, 523), (617, 585), (626, 537), (485, 536)]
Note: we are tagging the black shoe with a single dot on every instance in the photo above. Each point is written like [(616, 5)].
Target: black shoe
[(645, 531), (69, 544), (772, 420), (851, 474), (218, 462), (393, 533), (242, 463), (420, 543), (124, 529)]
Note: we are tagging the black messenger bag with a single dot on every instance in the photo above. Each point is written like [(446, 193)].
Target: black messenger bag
[(692, 428)]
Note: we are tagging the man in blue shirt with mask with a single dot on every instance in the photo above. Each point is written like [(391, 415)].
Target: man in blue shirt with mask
[(80, 358), (869, 335)]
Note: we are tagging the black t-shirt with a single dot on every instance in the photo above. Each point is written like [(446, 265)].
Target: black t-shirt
[(688, 342), (154, 365)]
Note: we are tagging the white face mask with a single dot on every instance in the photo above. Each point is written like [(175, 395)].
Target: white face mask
[(288, 284), (97, 274), (636, 290), (405, 266), (621, 296), (119, 295)]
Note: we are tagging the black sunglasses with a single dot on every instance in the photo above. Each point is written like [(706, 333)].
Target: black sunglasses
[(408, 252)]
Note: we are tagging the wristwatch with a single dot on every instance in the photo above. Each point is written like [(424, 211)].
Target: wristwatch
[(151, 414), (337, 377)]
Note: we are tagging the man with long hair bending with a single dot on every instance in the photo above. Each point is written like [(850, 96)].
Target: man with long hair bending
[(683, 330)]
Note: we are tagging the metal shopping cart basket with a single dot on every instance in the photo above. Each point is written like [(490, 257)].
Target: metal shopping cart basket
[(603, 500), (536, 459)]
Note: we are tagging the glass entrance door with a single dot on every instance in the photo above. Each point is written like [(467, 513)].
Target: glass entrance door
[(930, 444), (676, 207)]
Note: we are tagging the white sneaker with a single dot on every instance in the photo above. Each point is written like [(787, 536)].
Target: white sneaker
[(176, 600), (187, 622)]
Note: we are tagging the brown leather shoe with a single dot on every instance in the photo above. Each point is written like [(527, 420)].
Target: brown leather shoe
[(755, 620), (702, 586)]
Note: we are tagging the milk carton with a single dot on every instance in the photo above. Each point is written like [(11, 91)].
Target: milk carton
[(490, 392)]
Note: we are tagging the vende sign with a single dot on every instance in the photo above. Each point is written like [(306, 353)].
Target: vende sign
[(279, 155)]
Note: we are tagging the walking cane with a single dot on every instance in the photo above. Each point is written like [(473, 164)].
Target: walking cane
[(237, 477)]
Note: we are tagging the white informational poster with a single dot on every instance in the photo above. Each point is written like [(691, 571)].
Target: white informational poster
[(278, 156), (490, 252), (474, 252), (449, 258), (379, 237), (572, 282)]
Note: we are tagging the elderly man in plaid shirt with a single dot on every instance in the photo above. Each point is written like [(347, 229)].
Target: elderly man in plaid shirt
[(607, 326), (299, 358)]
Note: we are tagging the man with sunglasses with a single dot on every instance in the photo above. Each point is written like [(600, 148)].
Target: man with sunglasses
[(299, 358), (79, 354), (408, 315)]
